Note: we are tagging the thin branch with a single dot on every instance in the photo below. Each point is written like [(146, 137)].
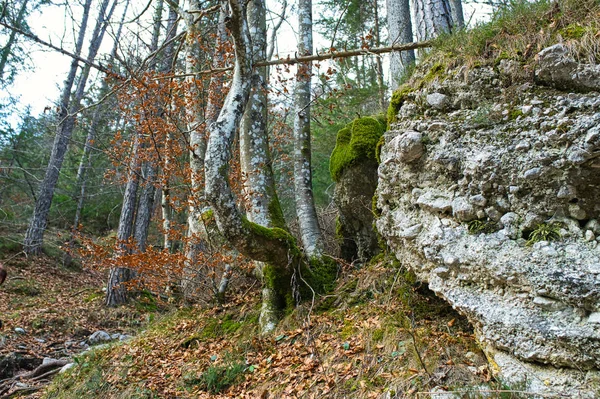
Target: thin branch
[(36, 39)]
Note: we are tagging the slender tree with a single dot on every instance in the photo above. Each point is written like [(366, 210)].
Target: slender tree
[(68, 110), (312, 238), (400, 31), (259, 183)]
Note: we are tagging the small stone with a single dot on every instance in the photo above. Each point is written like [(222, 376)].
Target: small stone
[(589, 235), (593, 225), (442, 272), (19, 330), (437, 101), (513, 189), (411, 232), (450, 260), (493, 214), (407, 147), (526, 109), (576, 212), (66, 367), (478, 200), (99, 337), (463, 210), (548, 303), (523, 146), (594, 318), (549, 251), (532, 173)]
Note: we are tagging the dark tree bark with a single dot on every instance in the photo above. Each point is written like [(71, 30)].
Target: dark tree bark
[(68, 109), (432, 17)]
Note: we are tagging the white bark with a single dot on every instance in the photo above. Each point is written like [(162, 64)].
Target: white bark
[(310, 231), (400, 31)]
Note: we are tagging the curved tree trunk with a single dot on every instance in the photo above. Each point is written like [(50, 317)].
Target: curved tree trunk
[(400, 31), (273, 246), (310, 231), (35, 232)]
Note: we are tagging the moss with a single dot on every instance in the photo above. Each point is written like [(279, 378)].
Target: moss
[(208, 216), (339, 233), (274, 233), (573, 31), (275, 213), (380, 144), (323, 273), (355, 143), (481, 226), (514, 114), (374, 209), (435, 72), (279, 281), (398, 99)]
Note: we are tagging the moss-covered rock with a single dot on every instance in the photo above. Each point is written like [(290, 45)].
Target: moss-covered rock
[(355, 143), (353, 167)]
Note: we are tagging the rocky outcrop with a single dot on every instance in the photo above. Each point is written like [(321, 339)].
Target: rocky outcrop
[(489, 190), (353, 167)]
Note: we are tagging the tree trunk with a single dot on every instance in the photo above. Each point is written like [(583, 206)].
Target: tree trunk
[(400, 31), (116, 290), (197, 234), (11, 39), (85, 162), (259, 183), (35, 233), (458, 16), (310, 231), (432, 17), (275, 245), (379, 64)]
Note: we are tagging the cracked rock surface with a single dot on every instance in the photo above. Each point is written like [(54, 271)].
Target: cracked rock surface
[(494, 201)]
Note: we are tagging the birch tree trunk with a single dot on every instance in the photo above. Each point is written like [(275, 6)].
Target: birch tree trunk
[(274, 246), (259, 183), (400, 31), (68, 109), (310, 231), (432, 17), (197, 234)]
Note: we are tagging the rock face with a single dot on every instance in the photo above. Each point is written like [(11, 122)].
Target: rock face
[(499, 212), (354, 169)]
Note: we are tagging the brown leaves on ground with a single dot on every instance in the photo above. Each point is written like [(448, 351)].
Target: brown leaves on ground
[(379, 332)]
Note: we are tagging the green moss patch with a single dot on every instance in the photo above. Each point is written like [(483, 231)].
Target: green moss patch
[(356, 142), (398, 99)]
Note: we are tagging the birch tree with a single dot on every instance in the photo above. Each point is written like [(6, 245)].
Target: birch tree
[(274, 246), (310, 231), (400, 31)]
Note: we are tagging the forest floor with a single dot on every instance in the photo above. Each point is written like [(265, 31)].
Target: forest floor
[(379, 334)]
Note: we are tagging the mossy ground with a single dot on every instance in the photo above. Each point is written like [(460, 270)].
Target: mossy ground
[(359, 341)]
